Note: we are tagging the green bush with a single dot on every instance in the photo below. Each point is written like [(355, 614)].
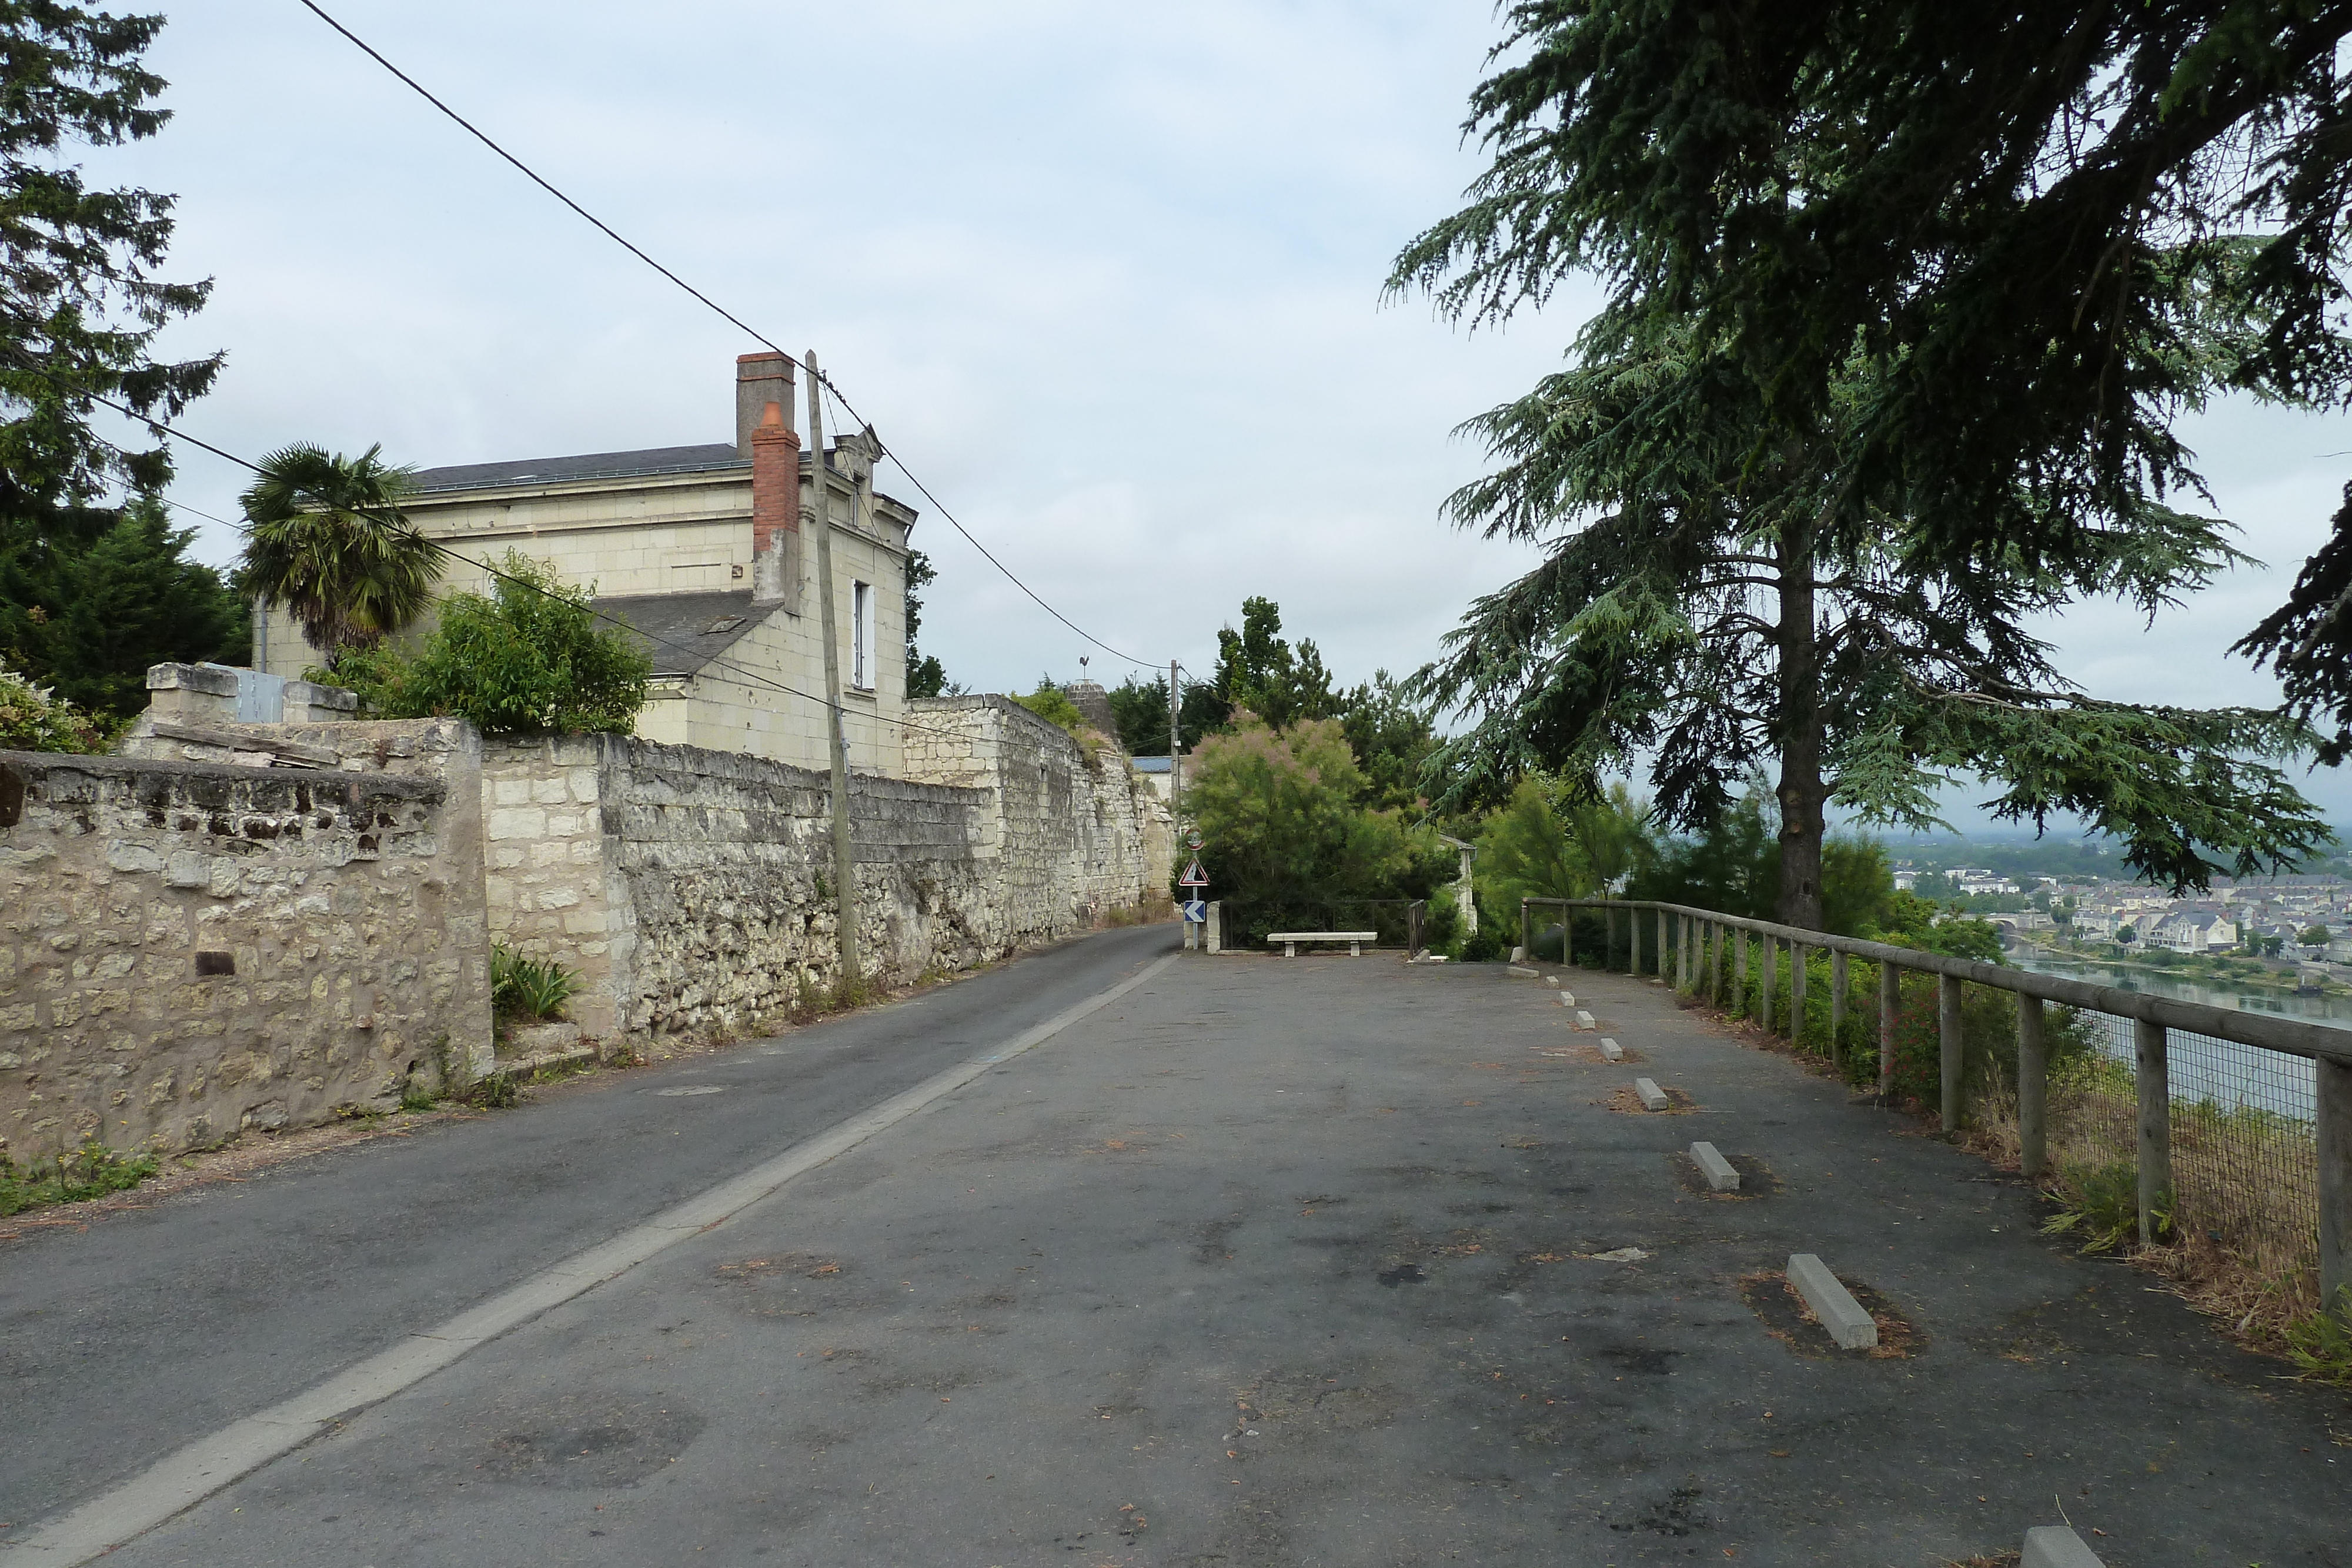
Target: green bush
[(33, 719), (91, 1171), (1052, 703), (527, 988), (529, 659), (1288, 844)]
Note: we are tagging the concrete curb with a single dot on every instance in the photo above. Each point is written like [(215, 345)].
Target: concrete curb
[(1714, 1167), (1612, 1051), (1653, 1098), (1518, 973), (1849, 1325), (2056, 1546)]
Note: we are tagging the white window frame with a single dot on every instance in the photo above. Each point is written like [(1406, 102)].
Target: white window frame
[(861, 635)]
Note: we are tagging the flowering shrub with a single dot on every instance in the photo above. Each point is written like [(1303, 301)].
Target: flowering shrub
[(33, 720)]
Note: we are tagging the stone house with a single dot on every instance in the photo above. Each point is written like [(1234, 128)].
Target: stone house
[(701, 550)]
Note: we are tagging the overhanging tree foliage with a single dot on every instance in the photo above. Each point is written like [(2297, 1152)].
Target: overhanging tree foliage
[(1810, 475), (79, 307)]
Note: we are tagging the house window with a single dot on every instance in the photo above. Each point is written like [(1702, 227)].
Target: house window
[(861, 635)]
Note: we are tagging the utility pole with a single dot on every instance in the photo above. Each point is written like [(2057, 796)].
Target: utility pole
[(1175, 745), (844, 868)]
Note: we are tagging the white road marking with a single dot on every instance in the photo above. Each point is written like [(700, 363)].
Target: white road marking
[(214, 1462)]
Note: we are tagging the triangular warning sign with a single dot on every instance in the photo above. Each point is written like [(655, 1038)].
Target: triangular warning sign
[(1192, 876)]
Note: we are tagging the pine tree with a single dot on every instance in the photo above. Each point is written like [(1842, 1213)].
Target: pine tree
[(1978, 240), (90, 593)]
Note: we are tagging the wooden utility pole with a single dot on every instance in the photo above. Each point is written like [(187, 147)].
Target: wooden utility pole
[(844, 867), (1175, 745)]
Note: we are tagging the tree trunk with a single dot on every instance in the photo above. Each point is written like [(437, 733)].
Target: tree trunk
[(1801, 793)]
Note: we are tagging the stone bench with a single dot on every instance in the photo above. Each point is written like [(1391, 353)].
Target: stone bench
[(1291, 939)]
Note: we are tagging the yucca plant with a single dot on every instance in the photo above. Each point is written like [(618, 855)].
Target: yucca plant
[(528, 988)]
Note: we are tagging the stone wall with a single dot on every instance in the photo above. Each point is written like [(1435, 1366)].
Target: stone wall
[(686, 887), (192, 947), (1074, 832), (242, 924)]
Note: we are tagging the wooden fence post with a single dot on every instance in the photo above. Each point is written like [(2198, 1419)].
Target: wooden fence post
[(1797, 993), (1771, 973), (1890, 1009), (2335, 1131), (1837, 1008), (1682, 953), (1527, 933), (1666, 941), (1950, 1053), (2155, 1073), (1632, 941), (2033, 1089), (1739, 970)]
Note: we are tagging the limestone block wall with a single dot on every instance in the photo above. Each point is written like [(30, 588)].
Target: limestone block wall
[(192, 947), (1074, 830), (688, 886)]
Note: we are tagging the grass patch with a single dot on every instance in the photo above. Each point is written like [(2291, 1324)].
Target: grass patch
[(92, 1170)]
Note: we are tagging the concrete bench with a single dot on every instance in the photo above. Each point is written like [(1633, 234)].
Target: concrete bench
[(1291, 939)]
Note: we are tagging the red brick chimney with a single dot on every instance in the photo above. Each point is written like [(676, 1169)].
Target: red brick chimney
[(775, 508)]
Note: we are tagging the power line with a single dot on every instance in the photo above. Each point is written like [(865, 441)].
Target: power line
[(839, 397), (615, 236), (750, 679)]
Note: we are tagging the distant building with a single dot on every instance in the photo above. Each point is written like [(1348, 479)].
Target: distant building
[(2193, 931), (1161, 776), (698, 549)]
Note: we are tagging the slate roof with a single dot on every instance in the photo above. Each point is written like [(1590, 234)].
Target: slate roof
[(674, 629), (653, 460)]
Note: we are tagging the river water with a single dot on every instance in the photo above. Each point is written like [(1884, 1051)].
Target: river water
[(2201, 1069)]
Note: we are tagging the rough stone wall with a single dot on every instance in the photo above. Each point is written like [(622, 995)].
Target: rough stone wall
[(188, 948), (1076, 832), (685, 885)]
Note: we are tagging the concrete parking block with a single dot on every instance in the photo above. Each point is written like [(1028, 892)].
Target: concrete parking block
[(1714, 1167), (1612, 1051), (1851, 1327), (1585, 1020), (1523, 973), (1568, 999), (1653, 1098), (2056, 1546)]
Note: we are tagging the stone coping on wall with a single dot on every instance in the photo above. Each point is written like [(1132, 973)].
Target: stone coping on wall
[(26, 765)]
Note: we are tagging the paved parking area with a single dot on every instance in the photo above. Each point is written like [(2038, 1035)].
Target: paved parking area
[(1311, 1263)]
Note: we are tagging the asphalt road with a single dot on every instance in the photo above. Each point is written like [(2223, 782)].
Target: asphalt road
[(1289, 1263), (152, 1327)]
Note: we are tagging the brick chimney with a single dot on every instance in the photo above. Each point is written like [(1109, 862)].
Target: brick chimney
[(775, 508), (761, 379)]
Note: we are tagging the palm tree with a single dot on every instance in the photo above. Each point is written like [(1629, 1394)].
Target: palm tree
[(329, 542)]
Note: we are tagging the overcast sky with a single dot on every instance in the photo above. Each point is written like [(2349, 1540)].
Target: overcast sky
[(1107, 276)]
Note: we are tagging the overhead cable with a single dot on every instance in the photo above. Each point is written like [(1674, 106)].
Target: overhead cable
[(543, 183)]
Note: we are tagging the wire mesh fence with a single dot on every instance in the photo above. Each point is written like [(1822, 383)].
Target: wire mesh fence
[(2246, 1157)]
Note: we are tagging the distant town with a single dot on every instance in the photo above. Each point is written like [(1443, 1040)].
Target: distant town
[(2082, 898)]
